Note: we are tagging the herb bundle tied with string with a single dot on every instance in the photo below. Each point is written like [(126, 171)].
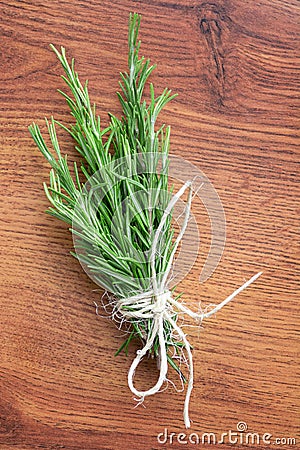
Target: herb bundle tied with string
[(119, 207)]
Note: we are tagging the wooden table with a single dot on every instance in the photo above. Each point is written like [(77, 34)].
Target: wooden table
[(234, 65)]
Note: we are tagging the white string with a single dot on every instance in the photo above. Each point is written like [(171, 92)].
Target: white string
[(159, 306)]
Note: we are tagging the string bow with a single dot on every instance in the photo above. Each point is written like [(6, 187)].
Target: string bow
[(159, 305)]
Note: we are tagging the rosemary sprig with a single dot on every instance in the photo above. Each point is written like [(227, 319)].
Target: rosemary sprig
[(118, 261)]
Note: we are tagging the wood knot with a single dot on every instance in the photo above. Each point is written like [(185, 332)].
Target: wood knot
[(211, 18), (213, 25)]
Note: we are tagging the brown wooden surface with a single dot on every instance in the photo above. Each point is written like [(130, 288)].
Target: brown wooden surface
[(235, 65)]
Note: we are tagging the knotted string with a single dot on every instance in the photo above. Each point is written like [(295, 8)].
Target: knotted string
[(159, 305)]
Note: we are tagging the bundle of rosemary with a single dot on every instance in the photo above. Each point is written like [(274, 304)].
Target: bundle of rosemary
[(119, 207)]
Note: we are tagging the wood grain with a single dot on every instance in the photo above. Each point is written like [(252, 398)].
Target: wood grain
[(235, 65)]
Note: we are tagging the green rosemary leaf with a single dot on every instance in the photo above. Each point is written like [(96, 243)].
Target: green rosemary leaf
[(125, 344)]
